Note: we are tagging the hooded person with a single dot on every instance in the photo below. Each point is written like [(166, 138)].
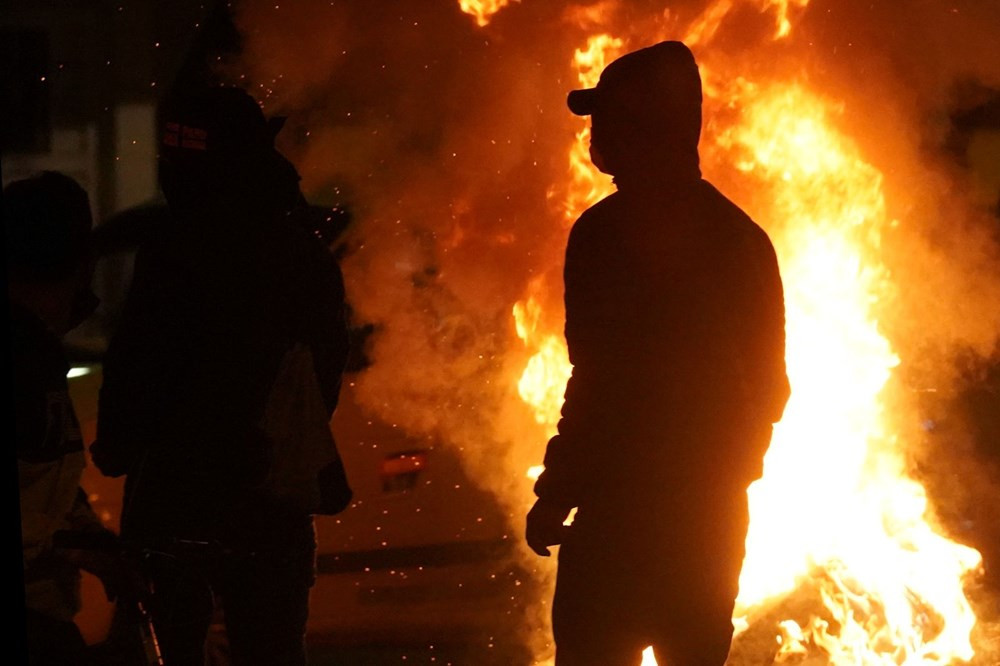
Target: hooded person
[(219, 385), (675, 329)]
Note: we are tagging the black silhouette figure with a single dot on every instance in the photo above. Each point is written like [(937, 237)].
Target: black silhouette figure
[(675, 328), (219, 385), (47, 226)]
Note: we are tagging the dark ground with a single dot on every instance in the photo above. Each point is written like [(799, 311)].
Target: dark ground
[(454, 655)]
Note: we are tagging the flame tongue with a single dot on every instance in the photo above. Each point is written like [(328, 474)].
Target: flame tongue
[(835, 494), (483, 10)]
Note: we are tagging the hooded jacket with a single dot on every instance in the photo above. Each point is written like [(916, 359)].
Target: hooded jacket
[(675, 329), (219, 297)]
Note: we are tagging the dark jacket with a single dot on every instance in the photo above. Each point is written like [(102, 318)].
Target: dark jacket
[(675, 329), (219, 297)]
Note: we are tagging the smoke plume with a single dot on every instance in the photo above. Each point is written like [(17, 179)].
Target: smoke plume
[(449, 142)]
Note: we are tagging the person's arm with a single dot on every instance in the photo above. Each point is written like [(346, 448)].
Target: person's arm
[(122, 415), (97, 550), (765, 383), (770, 376), (570, 453), (319, 300), (321, 306)]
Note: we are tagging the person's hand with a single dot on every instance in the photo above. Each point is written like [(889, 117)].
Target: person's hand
[(99, 552), (118, 574), (545, 526)]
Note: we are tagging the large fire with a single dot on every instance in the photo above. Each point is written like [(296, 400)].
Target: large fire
[(893, 584), (443, 125), (835, 506)]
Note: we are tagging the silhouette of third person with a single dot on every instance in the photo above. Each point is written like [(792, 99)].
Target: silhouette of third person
[(675, 328)]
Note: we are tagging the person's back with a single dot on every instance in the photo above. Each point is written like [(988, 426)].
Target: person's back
[(671, 322), (226, 301), (675, 329), (219, 298)]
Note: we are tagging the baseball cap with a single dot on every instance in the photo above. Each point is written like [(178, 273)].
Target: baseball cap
[(664, 74)]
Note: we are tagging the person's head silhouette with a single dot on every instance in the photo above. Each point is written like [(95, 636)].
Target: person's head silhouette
[(646, 113), (217, 143)]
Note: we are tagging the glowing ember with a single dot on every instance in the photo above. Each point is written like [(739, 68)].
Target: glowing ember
[(483, 10)]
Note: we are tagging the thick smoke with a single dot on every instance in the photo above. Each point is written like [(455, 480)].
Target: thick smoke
[(449, 141), (445, 139)]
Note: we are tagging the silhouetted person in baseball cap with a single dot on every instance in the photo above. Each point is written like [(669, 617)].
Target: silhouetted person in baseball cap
[(675, 328)]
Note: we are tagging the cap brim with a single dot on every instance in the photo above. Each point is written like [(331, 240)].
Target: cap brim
[(582, 102)]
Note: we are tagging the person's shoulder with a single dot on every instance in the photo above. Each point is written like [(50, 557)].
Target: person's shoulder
[(296, 251), (733, 219), (598, 219), (603, 210)]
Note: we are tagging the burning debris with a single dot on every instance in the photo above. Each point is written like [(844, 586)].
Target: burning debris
[(467, 174)]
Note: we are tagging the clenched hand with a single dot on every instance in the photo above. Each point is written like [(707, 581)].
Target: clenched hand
[(545, 526)]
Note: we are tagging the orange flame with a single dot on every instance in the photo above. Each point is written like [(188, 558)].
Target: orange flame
[(483, 10), (587, 184), (543, 381)]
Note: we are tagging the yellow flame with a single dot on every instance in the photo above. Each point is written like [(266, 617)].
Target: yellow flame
[(543, 381), (835, 494), (783, 25), (483, 10)]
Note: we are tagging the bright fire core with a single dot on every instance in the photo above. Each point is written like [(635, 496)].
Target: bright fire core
[(835, 510)]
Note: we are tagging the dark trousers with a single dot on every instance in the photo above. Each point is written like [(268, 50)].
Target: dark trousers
[(663, 578), (264, 598), (53, 642)]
